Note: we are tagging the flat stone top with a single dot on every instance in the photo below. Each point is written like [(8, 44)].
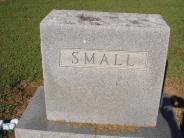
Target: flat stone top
[(92, 18)]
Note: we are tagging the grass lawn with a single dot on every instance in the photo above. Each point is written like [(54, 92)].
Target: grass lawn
[(20, 57)]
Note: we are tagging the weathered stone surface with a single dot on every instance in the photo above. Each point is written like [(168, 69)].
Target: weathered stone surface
[(34, 124), (103, 67)]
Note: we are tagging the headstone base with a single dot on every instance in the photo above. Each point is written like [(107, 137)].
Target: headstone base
[(34, 123)]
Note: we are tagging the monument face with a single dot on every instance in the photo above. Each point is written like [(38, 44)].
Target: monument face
[(105, 68)]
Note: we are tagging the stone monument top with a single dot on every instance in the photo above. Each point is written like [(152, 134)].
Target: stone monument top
[(75, 17)]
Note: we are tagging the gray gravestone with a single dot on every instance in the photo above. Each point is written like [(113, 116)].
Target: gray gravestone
[(101, 67)]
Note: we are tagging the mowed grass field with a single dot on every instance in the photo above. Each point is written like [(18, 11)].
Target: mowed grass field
[(20, 57)]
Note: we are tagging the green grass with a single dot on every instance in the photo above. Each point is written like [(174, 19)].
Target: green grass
[(20, 57)]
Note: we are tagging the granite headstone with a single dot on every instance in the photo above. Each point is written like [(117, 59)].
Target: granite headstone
[(102, 67)]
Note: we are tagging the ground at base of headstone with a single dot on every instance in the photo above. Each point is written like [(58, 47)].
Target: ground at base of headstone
[(174, 88), (18, 98), (23, 91), (16, 102)]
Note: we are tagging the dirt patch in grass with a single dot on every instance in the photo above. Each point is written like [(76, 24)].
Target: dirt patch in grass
[(17, 100), (175, 88)]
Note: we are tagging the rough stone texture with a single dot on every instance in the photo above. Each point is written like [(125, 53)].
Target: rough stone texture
[(103, 95), (34, 124)]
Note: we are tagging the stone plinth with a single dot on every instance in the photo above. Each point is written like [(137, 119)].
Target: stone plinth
[(34, 124)]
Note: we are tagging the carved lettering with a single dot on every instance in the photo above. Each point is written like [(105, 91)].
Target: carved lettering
[(116, 60), (103, 59), (128, 61), (75, 59), (87, 60)]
